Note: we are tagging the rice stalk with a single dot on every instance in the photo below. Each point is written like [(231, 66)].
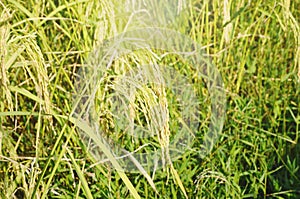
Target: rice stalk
[(228, 28), (40, 76), (291, 21), (4, 46)]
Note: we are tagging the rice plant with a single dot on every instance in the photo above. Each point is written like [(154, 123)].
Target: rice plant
[(78, 119)]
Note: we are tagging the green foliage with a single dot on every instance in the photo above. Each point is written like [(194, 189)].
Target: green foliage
[(254, 44)]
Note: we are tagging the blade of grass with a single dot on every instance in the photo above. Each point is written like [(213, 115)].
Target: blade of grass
[(85, 185), (89, 131)]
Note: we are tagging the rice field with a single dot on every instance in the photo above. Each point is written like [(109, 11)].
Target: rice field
[(149, 99)]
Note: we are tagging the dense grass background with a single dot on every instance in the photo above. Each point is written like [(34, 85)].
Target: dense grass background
[(254, 44)]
